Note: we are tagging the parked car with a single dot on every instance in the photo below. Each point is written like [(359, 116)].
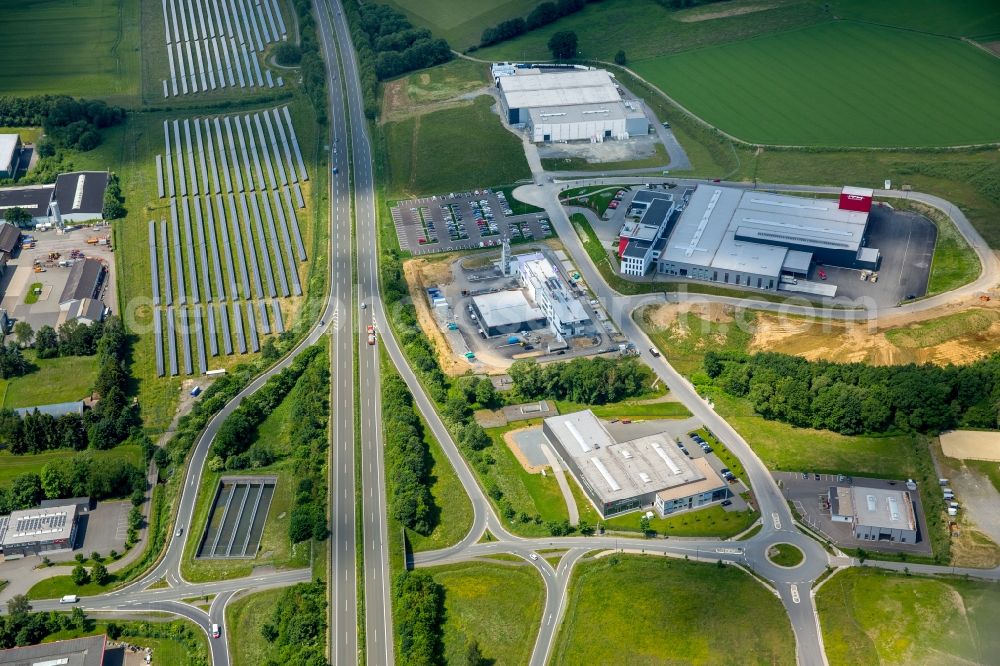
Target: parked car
[(727, 502)]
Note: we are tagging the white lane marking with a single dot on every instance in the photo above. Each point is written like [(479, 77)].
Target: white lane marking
[(776, 520), (795, 593)]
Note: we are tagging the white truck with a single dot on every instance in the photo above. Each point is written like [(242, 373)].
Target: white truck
[(69, 599)]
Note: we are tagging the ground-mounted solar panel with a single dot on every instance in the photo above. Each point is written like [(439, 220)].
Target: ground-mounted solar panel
[(192, 173), (206, 277), (279, 325), (275, 246), (283, 224), (241, 338), (253, 151), (158, 341), (221, 145), (202, 164), (159, 177), (168, 289), (294, 140), (227, 340), (189, 244), (262, 245), (213, 168), (299, 199), (275, 151), (252, 328), (213, 336), (154, 263), (265, 327), (286, 150), (199, 337), (234, 159), (235, 227), (178, 260), (294, 223), (172, 342), (251, 245), (213, 250)]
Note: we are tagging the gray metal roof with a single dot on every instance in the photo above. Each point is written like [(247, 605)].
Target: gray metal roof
[(506, 308), (83, 280), (646, 195), (8, 144), (40, 524), (880, 507), (637, 249), (620, 470), (87, 651), (32, 198), (546, 89), (797, 261), (10, 237), (576, 113)]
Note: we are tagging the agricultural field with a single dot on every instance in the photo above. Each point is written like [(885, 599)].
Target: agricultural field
[(877, 617), (497, 604), (91, 49), (432, 89), (455, 149), (688, 613), (775, 76)]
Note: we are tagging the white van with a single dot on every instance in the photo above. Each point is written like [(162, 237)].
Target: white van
[(69, 599)]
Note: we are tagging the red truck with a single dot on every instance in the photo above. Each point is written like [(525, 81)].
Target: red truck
[(371, 334)]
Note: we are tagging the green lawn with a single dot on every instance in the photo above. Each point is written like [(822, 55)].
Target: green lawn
[(61, 379), (713, 521), (954, 263), (958, 18), (877, 617), (455, 149), (634, 609), (85, 48), (249, 613), (785, 555), (988, 468), (497, 605), (32, 297), (12, 465), (462, 24), (932, 332), (772, 95)]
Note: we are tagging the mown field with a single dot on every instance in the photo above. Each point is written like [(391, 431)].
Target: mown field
[(12, 465), (62, 379), (461, 23), (875, 617), (87, 48), (876, 86), (456, 149), (635, 609)]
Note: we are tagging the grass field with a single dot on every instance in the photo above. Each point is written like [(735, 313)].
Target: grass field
[(13, 465), (876, 617), (61, 379), (461, 25), (460, 148), (632, 609), (855, 106), (497, 605), (32, 297), (958, 18), (657, 160), (785, 555), (249, 613), (713, 521), (933, 332), (85, 48)]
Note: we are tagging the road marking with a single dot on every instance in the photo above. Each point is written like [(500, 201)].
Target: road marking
[(795, 593), (729, 551), (776, 520)]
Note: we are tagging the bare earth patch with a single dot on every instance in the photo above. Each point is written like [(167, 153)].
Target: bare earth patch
[(971, 444), (695, 17), (508, 438)]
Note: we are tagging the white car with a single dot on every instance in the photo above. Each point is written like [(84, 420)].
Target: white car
[(364, 305), (534, 556)]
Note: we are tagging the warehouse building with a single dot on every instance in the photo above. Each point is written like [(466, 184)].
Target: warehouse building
[(563, 311), (763, 240), (74, 197), (506, 312), (648, 472), (87, 651), (877, 514), (38, 530), (568, 104), (10, 155)]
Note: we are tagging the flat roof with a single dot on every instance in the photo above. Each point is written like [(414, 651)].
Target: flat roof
[(712, 481), (638, 231), (547, 89), (720, 224), (576, 113), (883, 508), (544, 276), (858, 191), (8, 144), (506, 308), (636, 249), (32, 198), (797, 261), (87, 651), (81, 192), (841, 503), (646, 195), (38, 524), (623, 470)]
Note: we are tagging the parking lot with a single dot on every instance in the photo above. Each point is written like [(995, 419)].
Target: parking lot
[(807, 492), (463, 221), (19, 276), (906, 241), (236, 522)]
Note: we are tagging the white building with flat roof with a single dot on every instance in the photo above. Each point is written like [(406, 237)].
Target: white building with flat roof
[(506, 312), (877, 514), (564, 312), (38, 530), (642, 473), (10, 155)]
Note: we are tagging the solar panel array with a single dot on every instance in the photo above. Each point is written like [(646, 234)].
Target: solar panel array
[(229, 246), (218, 44)]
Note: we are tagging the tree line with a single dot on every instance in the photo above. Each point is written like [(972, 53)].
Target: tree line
[(593, 381), (310, 60), (296, 630), (854, 398), (419, 604), (68, 122), (407, 459), (81, 475), (541, 15), (388, 45), (309, 442), (20, 626)]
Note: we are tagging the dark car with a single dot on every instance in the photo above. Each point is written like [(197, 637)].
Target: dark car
[(816, 476), (805, 475), (727, 502)]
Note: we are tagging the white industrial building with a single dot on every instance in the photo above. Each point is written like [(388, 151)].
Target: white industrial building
[(39, 530), (564, 312), (618, 477), (567, 105), (506, 312), (10, 155), (641, 241), (74, 197), (877, 514)]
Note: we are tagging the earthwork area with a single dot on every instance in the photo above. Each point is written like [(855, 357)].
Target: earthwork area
[(971, 445)]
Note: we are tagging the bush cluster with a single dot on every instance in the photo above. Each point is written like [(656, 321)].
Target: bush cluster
[(309, 441), (20, 626), (68, 122), (406, 459), (594, 381), (297, 628), (311, 61), (114, 200), (853, 398), (419, 601)]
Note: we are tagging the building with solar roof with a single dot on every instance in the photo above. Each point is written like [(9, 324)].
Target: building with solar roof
[(642, 473), (39, 530)]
